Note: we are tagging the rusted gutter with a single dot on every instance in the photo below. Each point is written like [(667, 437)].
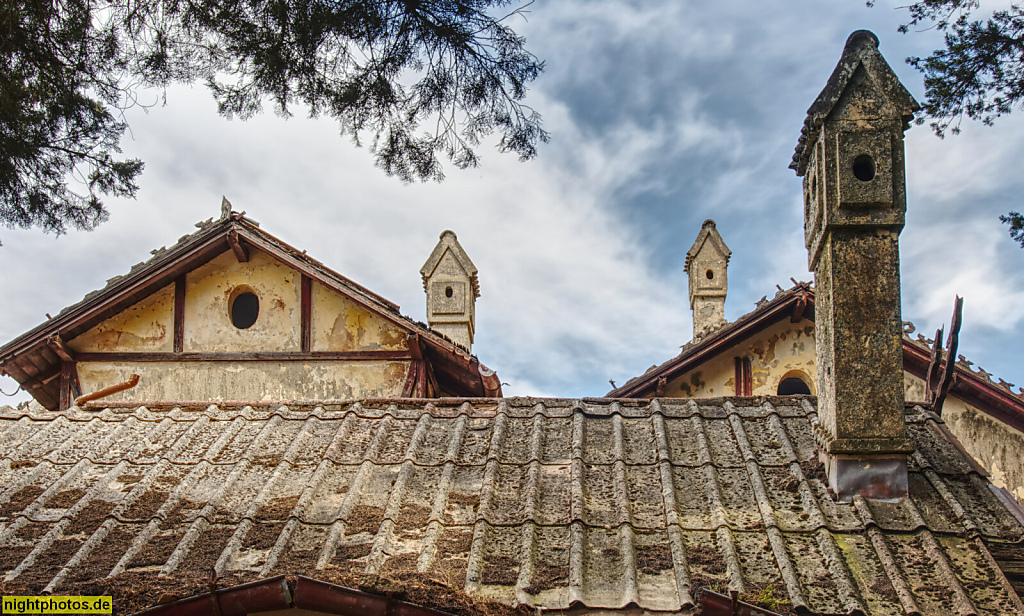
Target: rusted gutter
[(320, 596), (491, 382), (273, 594), (108, 391), (259, 596)]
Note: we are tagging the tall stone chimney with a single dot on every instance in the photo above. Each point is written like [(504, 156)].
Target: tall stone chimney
[(707, 263), (850, 155), (449, 279)]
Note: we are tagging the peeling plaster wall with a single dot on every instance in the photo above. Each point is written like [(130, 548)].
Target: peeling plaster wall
[(220, 381), (339, 324), (774, 353), (995, 445), (208, 290), (146, 326)]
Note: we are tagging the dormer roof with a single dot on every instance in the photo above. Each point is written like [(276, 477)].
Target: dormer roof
[(708, 233), (861, 51), (448, 242)]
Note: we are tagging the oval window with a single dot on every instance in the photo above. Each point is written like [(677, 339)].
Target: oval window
[(245, 309), (864, 168)]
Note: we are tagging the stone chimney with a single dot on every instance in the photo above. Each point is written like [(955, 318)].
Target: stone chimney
[(449, 279), (850, 155), (707, 263)]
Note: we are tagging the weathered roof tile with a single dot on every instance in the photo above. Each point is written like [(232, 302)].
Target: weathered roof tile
[(542, 502)]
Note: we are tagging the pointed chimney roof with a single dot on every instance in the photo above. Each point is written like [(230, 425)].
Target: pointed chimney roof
[(708, 232), (861, 50), (449, 241)]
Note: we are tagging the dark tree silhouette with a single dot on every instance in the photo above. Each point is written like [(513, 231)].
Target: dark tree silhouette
[(422, 79), (979, 74)]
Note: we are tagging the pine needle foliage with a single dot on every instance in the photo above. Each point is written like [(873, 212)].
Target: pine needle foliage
[(978, 74), (420, 80)]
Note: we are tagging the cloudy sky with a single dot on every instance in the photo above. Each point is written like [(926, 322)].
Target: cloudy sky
[(662, 114)]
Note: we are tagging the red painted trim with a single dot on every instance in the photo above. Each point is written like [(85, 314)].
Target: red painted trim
[(721, 340), (970, 388), (410, 378), (179, 314), (738, 376), (305, 312)]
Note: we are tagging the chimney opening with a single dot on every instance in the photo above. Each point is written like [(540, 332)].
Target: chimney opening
[(864, 168), (710, 274), (448, 292), (244, 308)]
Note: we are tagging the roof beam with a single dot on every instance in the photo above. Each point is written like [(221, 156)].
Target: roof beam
[(128, 357), (57, 345), (236, 247)]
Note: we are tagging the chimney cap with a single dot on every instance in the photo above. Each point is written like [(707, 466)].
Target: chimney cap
[(708, 231), (861, 50)]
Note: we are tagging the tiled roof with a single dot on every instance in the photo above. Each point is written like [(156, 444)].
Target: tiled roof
[(544, 502)]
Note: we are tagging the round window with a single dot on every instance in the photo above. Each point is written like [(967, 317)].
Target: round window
[(864, 168), (244, 308)]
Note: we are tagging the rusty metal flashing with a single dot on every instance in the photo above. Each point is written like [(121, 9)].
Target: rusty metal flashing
[(878, 478)]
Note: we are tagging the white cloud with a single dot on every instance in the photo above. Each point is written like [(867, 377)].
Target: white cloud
[(661, 115)]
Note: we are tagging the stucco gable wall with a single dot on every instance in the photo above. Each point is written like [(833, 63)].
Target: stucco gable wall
[(146, 326), (337, 324), (774, 353), (249, 381), (208, 291)]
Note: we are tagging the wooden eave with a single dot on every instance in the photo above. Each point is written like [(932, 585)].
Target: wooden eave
[(31, 361), (972, 388)]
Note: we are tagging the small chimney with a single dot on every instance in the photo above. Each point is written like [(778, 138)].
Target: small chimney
[(449, 279), (707, 263), (850, 155)]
